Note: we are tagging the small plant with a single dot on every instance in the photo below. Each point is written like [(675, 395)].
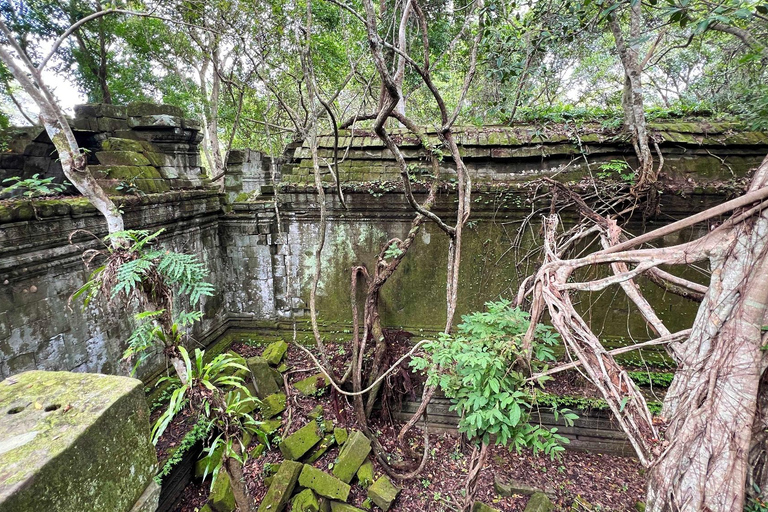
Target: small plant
[(478, 368), (425, 482), (393, 251), (617, 167), (35, 186), (757, 503)]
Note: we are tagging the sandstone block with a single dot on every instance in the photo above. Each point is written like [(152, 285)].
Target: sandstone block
[(352, 456), (323, 483), (300, 442), (383, 493), (281, 488)]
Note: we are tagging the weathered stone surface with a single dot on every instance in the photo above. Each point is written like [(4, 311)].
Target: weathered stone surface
[(148, 501), (504, 487), (150, 109), (300, 442), (274, 352), (539, 502), (263, 378), (383, 493), (337, 506), (352, 456), (311, 385), (323, 483), (305, 501), (365, 473), (121, 158), (270, 426), (281, 488), (73, 442), (482, 507), (222, 499), (100, 110), (316, 412), (341, 435), (272, 405)]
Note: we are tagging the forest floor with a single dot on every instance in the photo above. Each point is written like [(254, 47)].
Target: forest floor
[(574, 481)]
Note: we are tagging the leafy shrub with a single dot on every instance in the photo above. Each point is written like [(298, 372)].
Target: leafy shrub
[(34, 186), (478, 368)]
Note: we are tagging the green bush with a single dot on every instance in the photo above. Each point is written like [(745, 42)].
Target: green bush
[(482, 370)]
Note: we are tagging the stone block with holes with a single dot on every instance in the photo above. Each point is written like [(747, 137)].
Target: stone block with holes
[(75, 441)]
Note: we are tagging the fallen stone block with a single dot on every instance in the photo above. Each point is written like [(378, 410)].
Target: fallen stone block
[(71, 442), (300, 442), (269, 427), (263, 378), (341, 435), (383, 493), (272, 405), (316, 413), (274, 352), (482, 507), (365, 473), (311, 385), (323, 483), (504, 487), (281, 488), (352, 456), (539, 502), (305, 501), (222, 499)]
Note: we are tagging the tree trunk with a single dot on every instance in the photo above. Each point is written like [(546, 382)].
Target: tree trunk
[(712, 403), (73, 162)]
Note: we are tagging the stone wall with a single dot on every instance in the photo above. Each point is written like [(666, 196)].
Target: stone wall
[(261, 258)]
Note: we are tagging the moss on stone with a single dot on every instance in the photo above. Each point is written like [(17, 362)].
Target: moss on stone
[(319, 450), (274, 352), (365, 473), (311, 385), (262, 375), (272, 405), (341, 435), (352, 456), (281, 488), (323, 483), (305, 501), (300, 442), (269, 427), (222, 499), (383, 493), (337, 506), (206, 465), (131, 158), (479, 506), (74, 442), (539, 502)]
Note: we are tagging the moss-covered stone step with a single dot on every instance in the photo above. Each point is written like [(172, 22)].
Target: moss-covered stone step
[(281, 488), (300, 442), (272, 405), (305, 501), (274, 352), (352, 456), (323, 484), (311, 385), (383, 493)]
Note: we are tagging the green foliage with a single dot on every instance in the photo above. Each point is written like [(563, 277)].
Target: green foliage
[(661, 380), (759, 503), (136, 268), (199, 432), (478, 368), (34, 186), (618, 168), (393, 251), (215, 377)]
